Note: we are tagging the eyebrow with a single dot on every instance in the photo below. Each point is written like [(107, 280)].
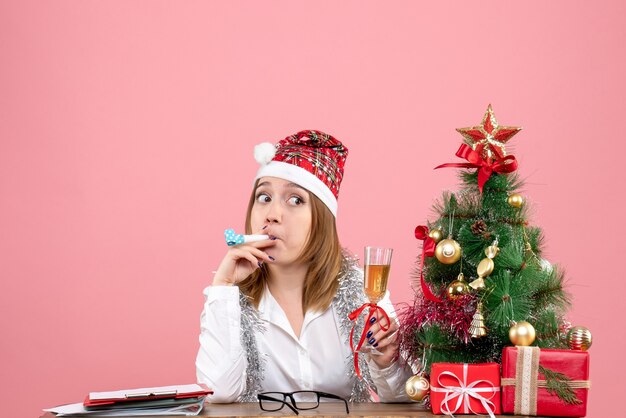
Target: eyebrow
[(288, 185)]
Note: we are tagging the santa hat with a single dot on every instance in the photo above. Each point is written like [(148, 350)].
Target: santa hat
[(311, 159)]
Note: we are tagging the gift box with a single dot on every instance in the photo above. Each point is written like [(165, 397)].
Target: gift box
[(530, 376), (458, 388)]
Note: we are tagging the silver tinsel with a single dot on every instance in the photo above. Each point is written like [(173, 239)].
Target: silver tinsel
[(250, 324), (350, 296)]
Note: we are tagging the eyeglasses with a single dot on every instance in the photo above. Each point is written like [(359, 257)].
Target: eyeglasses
[(300, 400)]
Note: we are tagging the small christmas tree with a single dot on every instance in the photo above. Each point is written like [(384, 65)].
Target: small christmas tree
[(484, 282)]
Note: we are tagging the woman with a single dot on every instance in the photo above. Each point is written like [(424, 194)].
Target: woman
[(276, 314)]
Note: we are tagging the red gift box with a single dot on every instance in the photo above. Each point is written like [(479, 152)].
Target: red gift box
[(457, 388), (524, 389)]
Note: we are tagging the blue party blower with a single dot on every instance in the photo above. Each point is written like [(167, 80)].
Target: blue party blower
[(236, 239)]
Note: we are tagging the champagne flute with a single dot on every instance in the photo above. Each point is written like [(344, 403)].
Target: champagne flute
[(376, 265)]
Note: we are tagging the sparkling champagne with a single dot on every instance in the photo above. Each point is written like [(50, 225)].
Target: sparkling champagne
[(376, 276)]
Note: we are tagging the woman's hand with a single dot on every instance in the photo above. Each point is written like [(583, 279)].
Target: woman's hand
[(386, 342), (241, 260)]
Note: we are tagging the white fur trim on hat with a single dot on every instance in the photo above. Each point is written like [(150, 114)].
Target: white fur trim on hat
[(302, 178), (264, 152)]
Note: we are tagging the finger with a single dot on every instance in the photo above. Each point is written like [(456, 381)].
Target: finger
[(371, 333), (379, 318), (382, 322), (389, 340), (379, 335), (245, 260), (239, 255), (376, 325), (393, 327), (249, 249), (261, 255), (387, 322)]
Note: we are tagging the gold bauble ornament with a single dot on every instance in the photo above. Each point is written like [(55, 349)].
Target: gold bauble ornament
[(436, 235), (417, 387), (579, 338), (522, 333), (448, 251), (515, 200), (458, 287)]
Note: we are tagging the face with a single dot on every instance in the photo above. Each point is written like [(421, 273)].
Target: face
[(285, 208)]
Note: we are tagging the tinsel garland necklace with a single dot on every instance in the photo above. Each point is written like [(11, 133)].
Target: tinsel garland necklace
[(348, 297), (255, 368)]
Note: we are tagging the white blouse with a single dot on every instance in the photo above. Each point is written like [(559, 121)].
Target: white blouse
[(315, 361)]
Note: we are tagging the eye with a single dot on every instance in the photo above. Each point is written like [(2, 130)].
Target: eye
[(295, 200), (263, 198)]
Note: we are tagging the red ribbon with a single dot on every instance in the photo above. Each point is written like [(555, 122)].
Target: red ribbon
[(485, 168), (428, 250), (354, 315)]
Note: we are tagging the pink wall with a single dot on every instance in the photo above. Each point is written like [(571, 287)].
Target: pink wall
[(123, 126)]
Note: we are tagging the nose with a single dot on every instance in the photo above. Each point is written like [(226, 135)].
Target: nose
[(274, 213)]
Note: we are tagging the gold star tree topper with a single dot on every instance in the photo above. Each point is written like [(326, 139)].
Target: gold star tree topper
[(489, 138)]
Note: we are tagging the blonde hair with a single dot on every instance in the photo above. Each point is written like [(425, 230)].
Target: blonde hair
[(322, 253)]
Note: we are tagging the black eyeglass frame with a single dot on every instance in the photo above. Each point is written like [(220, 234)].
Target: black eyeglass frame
[(294, 406)]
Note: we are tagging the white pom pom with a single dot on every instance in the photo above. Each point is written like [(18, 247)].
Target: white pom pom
[(264, 152)]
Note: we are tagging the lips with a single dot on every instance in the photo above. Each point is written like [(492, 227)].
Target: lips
[(271, 235)]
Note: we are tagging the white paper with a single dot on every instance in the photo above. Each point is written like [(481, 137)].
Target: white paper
[(79, 409)]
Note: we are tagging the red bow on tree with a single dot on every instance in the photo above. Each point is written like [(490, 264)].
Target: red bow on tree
[(485, 168), (428, 250)]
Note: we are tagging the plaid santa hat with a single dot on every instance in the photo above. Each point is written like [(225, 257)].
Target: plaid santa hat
[(311, 159)]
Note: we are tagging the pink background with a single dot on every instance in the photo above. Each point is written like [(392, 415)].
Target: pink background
[(126, 136)]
